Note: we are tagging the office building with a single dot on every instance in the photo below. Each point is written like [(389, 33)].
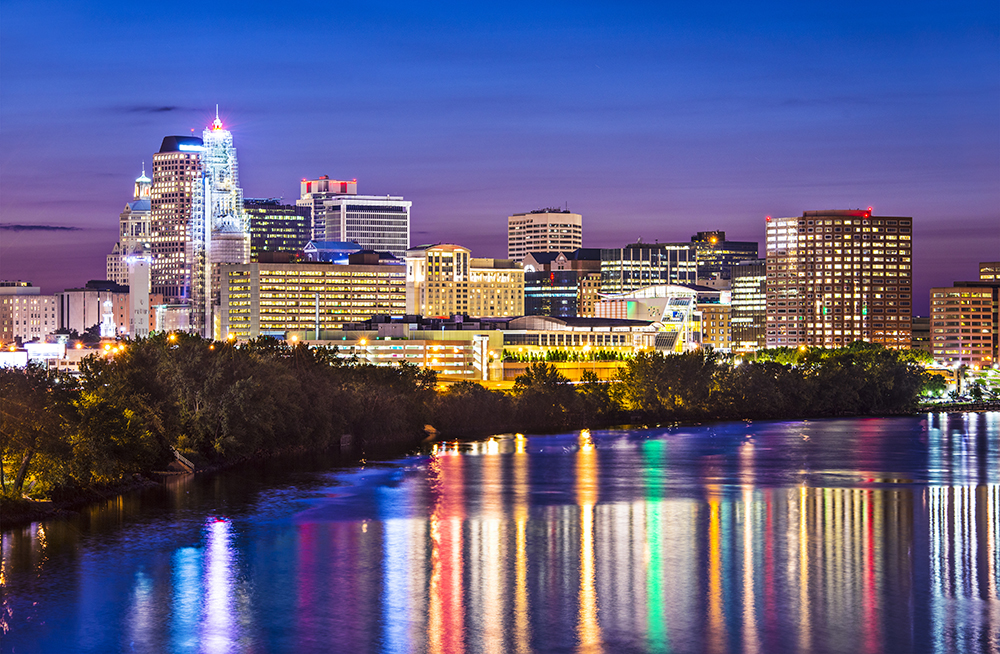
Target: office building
[(716, 256), (964, 325), (834, 277), (375, 222), (640, 265), (543, 230), (716, 328), (272, 299), (965, 320), (312, 194), (444, 280), (277, 227), (176, 177), (133, 230), (219, 224), (562, 284), (98, 304), (197, 221), (749, 306), (25, 313), (551, 293), (920, 334)]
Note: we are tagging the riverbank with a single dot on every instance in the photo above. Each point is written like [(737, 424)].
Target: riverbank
[(19, 512), (958, 407)]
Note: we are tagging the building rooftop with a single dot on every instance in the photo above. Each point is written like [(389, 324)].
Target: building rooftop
[(175, 143)]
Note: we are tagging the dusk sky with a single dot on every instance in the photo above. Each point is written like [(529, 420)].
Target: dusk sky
[(651, 120)]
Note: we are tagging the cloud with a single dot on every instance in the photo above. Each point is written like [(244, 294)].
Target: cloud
[(12, 227), (150, 109)]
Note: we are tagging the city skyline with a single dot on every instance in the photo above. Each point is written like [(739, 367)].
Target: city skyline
[(649, 123)]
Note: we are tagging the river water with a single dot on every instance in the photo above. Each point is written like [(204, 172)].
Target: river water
[(853, 535)]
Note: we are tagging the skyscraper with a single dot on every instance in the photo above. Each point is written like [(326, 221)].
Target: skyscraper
[(543, 230), (176, 177), (133, 230), (834, 277), (197, 221), (375, 222), (220, 228)]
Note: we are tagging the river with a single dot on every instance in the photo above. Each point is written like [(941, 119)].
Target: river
[(847, 535)]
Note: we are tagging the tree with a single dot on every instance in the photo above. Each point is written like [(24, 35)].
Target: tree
[(545, 399), (665, 386), (36, 416)]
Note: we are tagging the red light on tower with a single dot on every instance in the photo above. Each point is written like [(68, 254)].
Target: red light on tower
[(767, 218), (869, 209)]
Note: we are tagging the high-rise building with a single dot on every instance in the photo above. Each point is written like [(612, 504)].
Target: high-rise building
[(220, 226), (717, 256), (176, 177), (271, 299), (965, 320), (749, 306), (834, 277), (313, 192), (197, 221), (133, 230), (543, 230), (375, 222), (277, 227), (444, 280), (25, 313), (640, 265), (963, 325)]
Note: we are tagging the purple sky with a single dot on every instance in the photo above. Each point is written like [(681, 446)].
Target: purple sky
[(651, 121)]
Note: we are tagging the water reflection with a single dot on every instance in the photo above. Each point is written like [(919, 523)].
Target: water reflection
[(667, 541)]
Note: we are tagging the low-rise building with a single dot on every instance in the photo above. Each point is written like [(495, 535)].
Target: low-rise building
[(716, 328)]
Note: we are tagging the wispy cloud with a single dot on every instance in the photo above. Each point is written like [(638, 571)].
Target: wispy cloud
[(13, 227), (149, 109)]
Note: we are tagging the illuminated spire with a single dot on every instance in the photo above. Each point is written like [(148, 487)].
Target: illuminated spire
[(142, 177), (143, 185), (216, 124)]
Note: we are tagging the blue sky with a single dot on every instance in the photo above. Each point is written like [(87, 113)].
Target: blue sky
[(652, 121)]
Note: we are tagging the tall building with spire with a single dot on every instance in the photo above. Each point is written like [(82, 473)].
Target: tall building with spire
[(197, 221), (220, 228), (133, 230)]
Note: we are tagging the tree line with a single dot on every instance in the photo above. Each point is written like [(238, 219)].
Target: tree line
[(215, 402)]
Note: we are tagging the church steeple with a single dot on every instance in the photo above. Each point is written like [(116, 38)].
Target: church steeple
[(143, 185)]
